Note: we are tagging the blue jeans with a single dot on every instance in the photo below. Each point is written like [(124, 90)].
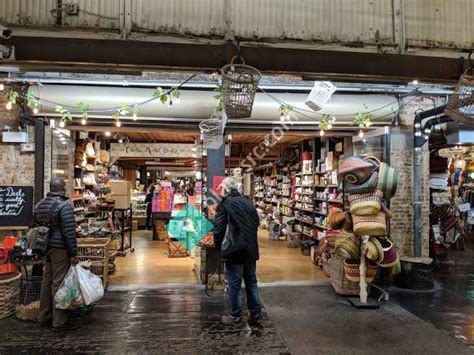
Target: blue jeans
[(234, 274)]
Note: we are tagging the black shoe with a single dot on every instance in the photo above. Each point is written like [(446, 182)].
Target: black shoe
[(232, 321), (255, 320)]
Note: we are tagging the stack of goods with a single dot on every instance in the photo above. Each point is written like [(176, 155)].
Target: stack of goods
[(120, 193), (163, 200), (369, 183)]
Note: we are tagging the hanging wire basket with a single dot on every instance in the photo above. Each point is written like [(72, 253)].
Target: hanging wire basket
[(460, 105), (212, 131), (320, 95), (239, 83)]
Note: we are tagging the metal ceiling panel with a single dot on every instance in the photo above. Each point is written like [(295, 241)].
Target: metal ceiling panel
[(28, 12), (103, 14), (440, 23), (186, 17)]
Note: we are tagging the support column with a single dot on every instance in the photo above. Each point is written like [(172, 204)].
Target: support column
[(39, 160), (215, 167)]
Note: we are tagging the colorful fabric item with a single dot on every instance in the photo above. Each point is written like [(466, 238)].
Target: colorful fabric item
[(387, 180), (373, 250), (390, 255), (368, 186), (356, 170)]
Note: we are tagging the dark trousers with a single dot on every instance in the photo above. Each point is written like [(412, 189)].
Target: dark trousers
[(235, 273), (56, 266), (148, 215)]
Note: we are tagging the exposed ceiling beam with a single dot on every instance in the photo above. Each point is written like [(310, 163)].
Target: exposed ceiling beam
[(116, 56)]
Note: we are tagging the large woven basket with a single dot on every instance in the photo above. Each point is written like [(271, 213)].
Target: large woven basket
[(239, 83), (9, 291), (365, 204), (352, 271), (339, 282), (212, 131), (461, 103), (375, 225)]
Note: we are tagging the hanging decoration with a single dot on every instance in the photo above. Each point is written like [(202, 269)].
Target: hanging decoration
[(363, 120), (212, 132), (326, 123), (239, 82), (460, 105), (320, 95), (285, 112), (219, 97), (84, 108)]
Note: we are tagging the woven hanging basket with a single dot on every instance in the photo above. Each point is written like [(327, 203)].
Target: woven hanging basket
[(461, 103), (212, 131), (9, 291), (239, 83)]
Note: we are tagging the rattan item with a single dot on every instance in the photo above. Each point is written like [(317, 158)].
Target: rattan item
[(352, 271), (374, 225), (9, 291), (387, 180), (320, 95), (28, 312), (460, 105), (104, 156), (348, 247), (239, 84), (97, 252), (339, 282), (373, 250), (365, 204), (212, 131), (358, 169), (336, 219), (370, 185), (90, 152), (390, 255)]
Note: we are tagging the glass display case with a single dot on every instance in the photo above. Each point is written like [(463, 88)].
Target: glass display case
[(138, 205)]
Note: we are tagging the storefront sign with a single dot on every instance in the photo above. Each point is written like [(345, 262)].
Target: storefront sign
[(16, 206), (216, 184), (153, 150)]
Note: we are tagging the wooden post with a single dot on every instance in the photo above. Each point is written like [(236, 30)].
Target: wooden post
[(362, 270)]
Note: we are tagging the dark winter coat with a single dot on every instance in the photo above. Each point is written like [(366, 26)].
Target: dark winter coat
[(63, 224), (244, 219)]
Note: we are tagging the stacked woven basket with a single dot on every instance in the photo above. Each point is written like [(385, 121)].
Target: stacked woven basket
[(369, 183)]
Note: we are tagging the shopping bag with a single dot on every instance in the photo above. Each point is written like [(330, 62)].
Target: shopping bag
[(69, 295), (91, 285)]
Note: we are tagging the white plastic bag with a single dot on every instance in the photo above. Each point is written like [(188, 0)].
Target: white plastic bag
[(91, 285), (69, 295)]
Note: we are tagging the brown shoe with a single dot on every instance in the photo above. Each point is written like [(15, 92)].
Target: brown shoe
[(232, 321)]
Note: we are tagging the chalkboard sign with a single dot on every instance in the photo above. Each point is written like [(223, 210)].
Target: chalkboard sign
[(16, 206)]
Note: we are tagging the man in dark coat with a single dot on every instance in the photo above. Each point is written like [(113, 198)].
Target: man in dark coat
[(241, 213), (57, 213)]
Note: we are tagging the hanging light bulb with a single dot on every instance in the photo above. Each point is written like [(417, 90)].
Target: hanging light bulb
[(282, 117), (135, 117), (9, 105), (288, 116), (118, 123), (321, 132), (35, 110), (52, 123), (62, 124), (120, 140), (83, 121), (177, 100), (2, 87), (108, 134), (361, 134), (329, 126)]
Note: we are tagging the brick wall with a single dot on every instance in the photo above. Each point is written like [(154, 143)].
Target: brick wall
[(15, 167), (401, 205)]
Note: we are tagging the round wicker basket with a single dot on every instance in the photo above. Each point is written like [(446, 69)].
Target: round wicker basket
[(9, 292)]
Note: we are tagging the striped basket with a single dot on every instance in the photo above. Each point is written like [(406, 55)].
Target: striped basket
[(348, 247), (374, 225), (352, 271), (9, 292), (339, 282), (365, 204), (387, 181)]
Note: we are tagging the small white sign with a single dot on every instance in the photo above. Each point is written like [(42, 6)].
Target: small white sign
[(464, 207)]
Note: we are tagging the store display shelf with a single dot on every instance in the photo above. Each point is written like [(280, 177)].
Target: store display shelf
[(333, 185), (320, 172), (79, 209), (320, 186), (78, 199), (286, 215), (308, 235), (317, 225), (303, 221), (320, 212), (337, 200), (307, 174), (320, 199)]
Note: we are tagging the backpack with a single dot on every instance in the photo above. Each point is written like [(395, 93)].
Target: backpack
[(38, 237)]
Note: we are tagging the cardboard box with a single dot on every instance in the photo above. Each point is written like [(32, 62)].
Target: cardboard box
[(120, 187), (134, 225), (122, 201)]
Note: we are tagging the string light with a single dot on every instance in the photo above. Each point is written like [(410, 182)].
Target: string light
[(83, 121), (35, 110), (108, 134), (8, 106), (118, 123), (135, 117), (2, 87), (361, 134), (321, 132), (62, 124)]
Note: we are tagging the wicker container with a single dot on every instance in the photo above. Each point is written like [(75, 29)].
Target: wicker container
[(352, 271), (212, 131), (461, 103), (320, 95), (293, 240), (239, 84), (9, 291), (97, 252), (339, 282), (365, 204), (374, 225)]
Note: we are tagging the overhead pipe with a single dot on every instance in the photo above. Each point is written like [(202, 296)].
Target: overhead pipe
[(419, 141)]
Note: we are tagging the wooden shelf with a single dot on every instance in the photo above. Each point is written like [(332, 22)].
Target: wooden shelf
[(320, 213), (337, 200), (317, 225)]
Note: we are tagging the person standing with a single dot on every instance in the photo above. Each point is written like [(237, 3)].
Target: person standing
[(148, 201), (57, 213), (241, 213)]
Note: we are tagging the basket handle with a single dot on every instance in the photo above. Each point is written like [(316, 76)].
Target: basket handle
[(237, 57), (373, 158), (214, 116)]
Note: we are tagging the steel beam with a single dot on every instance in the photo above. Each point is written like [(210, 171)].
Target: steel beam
[(75, 54)]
